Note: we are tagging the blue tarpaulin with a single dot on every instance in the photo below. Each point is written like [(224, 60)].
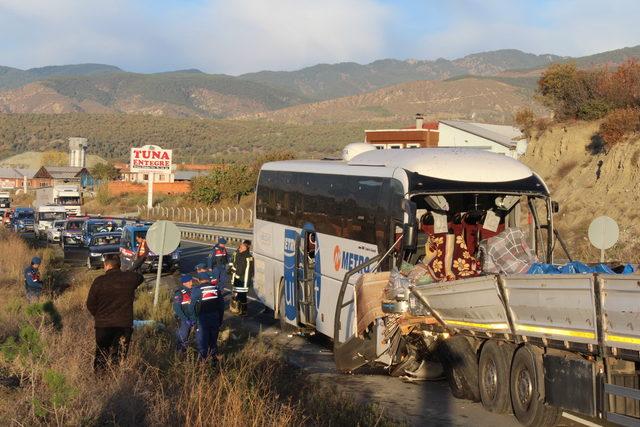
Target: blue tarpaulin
[(575, 267)]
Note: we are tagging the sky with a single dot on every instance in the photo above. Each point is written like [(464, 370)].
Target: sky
[(239, 36)]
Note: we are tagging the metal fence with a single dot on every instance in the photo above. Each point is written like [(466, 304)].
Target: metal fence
[(205, 216)]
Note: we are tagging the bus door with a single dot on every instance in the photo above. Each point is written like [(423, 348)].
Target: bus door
[(306, 276)]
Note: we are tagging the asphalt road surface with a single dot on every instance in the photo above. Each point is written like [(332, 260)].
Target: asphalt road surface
[(426, 403)]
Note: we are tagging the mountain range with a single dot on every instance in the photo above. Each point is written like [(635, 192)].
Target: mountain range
[(97, 88)]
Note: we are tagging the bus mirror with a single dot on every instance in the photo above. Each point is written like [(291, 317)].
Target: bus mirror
[(409, 229), (409, 236), (555, 206)]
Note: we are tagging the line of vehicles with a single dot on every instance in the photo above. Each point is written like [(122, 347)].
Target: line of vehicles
[(87, 238), (329, 233)]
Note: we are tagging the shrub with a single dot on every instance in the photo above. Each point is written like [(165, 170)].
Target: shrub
[(525, 120), (618, 124)]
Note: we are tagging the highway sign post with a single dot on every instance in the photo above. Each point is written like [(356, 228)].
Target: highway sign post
[(163, 237), (603, 234), (150, 160)]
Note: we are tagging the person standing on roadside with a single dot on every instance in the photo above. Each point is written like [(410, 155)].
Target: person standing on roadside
[(110, 302), (241, 277), (141, 253), (205, 298), (32, 282), (183, 310), (219, 257), (214, 278)]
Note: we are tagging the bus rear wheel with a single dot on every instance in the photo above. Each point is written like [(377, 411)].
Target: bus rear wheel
[(493, 376), (526, 391)]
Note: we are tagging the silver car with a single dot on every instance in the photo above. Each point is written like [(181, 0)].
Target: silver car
[(54, 232)]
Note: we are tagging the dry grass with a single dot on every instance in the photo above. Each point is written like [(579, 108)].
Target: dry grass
[(49, 348)]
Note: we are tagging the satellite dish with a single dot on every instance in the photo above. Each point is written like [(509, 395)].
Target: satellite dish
[(603, 234)]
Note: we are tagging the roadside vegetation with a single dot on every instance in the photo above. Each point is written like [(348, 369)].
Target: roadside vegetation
[(193, 140), (46, 378), (608, 95)]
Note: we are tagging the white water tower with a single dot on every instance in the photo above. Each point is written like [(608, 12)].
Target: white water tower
[(78, 152)]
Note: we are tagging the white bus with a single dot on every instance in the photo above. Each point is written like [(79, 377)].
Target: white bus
[(317, 222)]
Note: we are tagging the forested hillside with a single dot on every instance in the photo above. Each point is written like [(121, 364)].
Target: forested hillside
[(194, 140)]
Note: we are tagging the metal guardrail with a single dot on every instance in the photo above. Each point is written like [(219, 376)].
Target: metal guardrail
[(212, 233)]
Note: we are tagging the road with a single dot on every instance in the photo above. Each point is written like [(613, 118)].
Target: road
[(426, 403)]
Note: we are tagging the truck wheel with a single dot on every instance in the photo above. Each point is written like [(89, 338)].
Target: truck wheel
[(526, 399), (493, 375), (461, 368)]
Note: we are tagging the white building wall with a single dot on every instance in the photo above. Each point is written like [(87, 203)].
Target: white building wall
[(453, 137)]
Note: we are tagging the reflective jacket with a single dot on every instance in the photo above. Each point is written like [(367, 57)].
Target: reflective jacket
[(218, 257), (242, 271), (182, 307), (205, 298), (32, 279)]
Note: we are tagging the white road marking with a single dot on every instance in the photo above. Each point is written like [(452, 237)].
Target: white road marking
[(580, 420)]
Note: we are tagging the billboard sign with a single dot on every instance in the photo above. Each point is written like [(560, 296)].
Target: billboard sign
[(150, 159)]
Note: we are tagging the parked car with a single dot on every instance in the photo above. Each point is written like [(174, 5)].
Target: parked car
[(53, 233), (99, 225), (129, 248), (102, 244)]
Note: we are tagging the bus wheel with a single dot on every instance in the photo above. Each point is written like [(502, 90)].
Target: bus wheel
[(461, 368), (493, 376), (526, 397)]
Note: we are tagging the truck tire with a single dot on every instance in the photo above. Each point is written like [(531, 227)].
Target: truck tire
[(526, 397), (494, 371), (461, 368)]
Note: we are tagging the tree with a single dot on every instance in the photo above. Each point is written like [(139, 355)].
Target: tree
[(105, 172)]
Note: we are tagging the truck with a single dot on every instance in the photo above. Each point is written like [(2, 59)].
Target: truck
[(45, 217), (68, 196), (5, 200), (331, 239)]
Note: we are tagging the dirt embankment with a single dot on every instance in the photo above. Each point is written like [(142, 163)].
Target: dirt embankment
[(588, 181)]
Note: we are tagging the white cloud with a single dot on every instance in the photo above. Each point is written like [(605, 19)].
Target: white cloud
[(214, 35), (571, 27)]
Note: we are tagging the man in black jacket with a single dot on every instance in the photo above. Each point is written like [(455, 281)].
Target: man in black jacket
[(110, 301), (242, 277)]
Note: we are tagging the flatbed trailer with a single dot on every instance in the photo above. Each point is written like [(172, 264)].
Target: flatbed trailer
[(560, 342)]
